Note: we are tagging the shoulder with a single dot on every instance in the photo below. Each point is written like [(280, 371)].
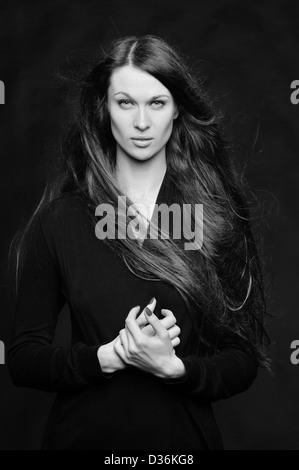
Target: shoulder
[(57, 225), (63, 207), (64, 202), (64, 213)]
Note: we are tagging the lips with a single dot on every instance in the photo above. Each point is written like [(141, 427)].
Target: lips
[(142, 141)]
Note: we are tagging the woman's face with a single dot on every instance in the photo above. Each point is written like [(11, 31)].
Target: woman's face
[(142, 111)]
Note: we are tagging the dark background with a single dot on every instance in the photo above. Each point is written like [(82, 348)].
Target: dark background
[(249, 53)]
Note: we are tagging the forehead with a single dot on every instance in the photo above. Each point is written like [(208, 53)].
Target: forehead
[(135, 82)]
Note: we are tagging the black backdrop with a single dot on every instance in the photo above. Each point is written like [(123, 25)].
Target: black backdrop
[(249, 52)]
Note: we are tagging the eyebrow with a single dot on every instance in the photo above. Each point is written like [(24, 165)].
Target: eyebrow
[(152, 98)]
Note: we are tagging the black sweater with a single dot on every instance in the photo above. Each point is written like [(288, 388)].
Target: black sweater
[(66, 262)]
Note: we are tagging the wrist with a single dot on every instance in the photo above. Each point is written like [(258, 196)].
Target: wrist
[(105, 359), (174, 369)]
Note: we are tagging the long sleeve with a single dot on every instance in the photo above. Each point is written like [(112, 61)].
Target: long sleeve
[(232, 370), (32, 361)]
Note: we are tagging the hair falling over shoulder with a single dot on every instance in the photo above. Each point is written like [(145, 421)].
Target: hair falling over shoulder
[(223, 283)]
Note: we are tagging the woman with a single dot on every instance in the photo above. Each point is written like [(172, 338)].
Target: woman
[(159, 331)]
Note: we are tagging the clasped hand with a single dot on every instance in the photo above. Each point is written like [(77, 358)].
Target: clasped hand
[(147, 342)]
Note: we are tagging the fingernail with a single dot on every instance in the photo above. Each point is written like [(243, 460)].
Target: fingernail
[(148, 311), (151, 301)]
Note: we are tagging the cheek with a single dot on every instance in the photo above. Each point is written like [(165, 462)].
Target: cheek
[(117, 126), (164, 127)]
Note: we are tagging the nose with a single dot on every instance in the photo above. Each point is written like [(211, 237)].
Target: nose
[(141, 120)]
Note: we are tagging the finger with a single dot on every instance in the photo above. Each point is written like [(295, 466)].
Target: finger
[(152, 304), (157, 325), (130, 339), (141, 319), (168, 313), (134, 312), (175, 342), (169, 319), (148, 330), (174, 331), (168, 322), (132, 325)]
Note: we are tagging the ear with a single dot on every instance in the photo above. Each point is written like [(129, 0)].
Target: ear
[(176, 113)]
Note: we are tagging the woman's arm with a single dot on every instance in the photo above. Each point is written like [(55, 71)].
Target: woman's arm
[(232, 370), (32, 361)]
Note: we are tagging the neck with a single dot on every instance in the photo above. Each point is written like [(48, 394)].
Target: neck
[(140, 179)]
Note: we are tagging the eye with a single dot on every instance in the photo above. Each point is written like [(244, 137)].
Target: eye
[(158, 103), (125, 103)]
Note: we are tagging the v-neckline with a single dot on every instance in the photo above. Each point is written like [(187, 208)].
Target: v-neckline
[(161, 198)]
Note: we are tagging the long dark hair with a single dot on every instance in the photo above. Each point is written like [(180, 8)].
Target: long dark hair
[(222, 284)]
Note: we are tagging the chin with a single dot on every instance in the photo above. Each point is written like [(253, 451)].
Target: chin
[(141, 156), (144, 157)]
